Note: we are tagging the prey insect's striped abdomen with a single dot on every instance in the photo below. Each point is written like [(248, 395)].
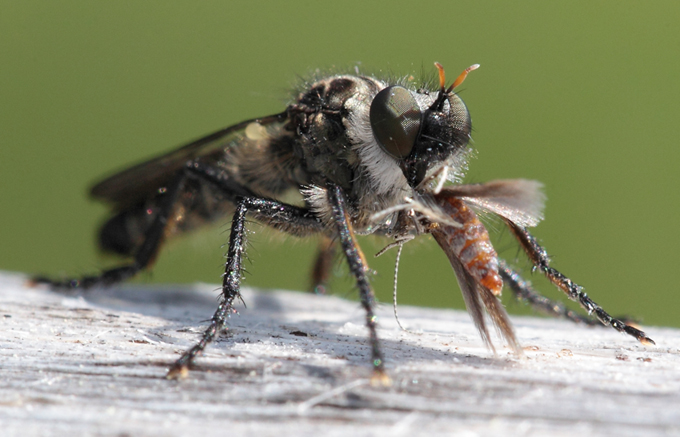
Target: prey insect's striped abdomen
[(471, 245)]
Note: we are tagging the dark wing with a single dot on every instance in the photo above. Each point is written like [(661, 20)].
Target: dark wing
[(519, 200), (142, 181)]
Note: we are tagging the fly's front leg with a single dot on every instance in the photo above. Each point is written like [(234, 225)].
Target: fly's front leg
[(539, 258), (144, 255), (358, 267)]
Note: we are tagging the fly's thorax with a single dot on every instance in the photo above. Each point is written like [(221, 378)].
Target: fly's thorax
[(266, 163), (319, 119)]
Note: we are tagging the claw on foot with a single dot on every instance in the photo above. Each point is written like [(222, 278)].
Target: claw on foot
[(177, 372), (380, 379), (647, 341)]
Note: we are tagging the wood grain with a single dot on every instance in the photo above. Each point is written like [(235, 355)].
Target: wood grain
[(297, 364)]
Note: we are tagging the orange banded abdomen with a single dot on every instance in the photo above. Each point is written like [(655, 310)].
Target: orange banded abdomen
[(470, 244)]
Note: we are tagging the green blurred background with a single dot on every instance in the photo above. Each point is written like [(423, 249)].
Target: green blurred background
[(580, 95)]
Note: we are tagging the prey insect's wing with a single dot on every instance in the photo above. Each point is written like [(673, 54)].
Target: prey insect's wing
[(468, 287), (519, 200), (143, 181), (479, 298), (469, 250)]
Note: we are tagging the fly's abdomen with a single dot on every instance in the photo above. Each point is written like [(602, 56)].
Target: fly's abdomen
[(471, 245), (197, 205), (124, 233)]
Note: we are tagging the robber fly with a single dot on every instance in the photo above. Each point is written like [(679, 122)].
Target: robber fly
[(365, 156)]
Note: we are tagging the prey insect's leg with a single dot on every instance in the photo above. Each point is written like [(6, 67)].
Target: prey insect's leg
[(539, 258), (358, 267), (271, 212), (143, 257), (524, 291)]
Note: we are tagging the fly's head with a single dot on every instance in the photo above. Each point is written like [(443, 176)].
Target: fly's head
[(424, 133), (398, 141)]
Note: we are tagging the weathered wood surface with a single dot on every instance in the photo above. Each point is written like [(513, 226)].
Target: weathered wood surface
[(297, 364)]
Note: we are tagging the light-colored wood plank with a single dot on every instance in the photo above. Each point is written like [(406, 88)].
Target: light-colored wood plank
[(297, 364)]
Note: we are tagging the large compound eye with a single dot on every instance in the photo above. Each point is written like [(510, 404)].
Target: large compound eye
[(395, 120)]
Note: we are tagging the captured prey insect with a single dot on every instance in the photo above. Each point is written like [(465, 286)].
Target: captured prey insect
[(364, 156)]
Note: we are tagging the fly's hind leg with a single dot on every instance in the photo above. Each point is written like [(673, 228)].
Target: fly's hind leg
[(143, 256), (539, 258)]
